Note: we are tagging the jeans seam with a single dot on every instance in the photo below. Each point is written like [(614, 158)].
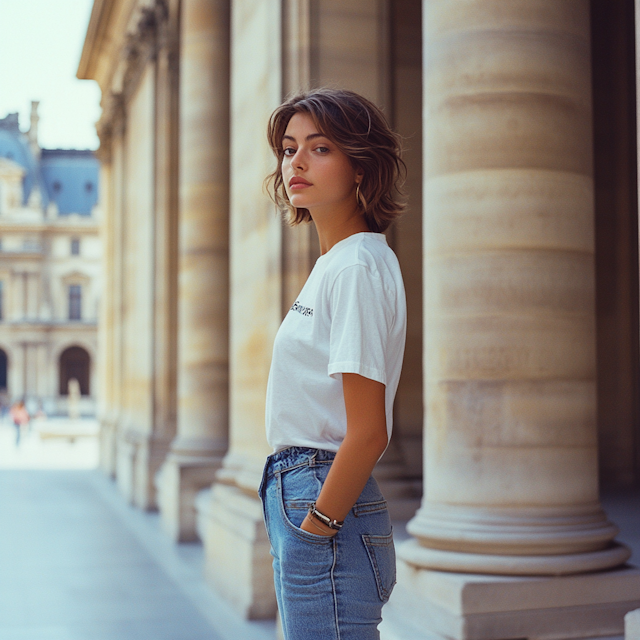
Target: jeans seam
[(365, 508), (333, 589), (368, 540)]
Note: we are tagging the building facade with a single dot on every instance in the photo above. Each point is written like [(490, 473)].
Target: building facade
[(49, 270), (519, 394)]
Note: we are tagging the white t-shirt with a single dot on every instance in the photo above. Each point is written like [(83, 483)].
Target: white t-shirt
[(350, 317)]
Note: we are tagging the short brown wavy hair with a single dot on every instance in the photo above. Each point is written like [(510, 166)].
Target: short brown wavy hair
[(360, 130)]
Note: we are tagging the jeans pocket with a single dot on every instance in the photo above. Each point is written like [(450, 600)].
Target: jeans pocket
[(297, 489), (382, 555)]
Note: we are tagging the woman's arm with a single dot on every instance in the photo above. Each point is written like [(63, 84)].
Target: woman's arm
[(364, 443)]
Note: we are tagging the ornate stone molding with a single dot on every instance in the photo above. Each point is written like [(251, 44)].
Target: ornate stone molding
[(142, 45), (153, 33), (111, 123)]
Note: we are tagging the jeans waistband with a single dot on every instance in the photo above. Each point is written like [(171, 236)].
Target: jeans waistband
[(297, 456)]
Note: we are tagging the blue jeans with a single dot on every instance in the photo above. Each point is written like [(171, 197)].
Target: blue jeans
[(328, 588)]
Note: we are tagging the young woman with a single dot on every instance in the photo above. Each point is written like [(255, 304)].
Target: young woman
[(335, 369)]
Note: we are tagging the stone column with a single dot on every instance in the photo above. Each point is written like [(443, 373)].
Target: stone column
[(106, 345), (113, 425), (511, 479), (201, 439), (136, 420), (149, 448), (230, 515)]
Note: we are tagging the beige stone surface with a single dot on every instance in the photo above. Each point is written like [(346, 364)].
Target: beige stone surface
[(204, 213), (632, 625), (466, 607), (234, 520), (135, 442)]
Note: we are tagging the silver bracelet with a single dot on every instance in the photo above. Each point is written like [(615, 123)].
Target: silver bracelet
[(332, 524)]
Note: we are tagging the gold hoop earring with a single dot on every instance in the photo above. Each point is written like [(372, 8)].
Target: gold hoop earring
[(358, 195)]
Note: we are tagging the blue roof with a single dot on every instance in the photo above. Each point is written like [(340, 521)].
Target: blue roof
[(68, 177), (14, 146), (71, 179)]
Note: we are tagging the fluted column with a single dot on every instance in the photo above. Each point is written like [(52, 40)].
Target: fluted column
[(201, 439), (511, 478)]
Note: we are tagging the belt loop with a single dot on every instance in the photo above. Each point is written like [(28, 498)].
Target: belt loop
[(312, 459)]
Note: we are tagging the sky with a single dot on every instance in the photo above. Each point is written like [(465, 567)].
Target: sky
[(40, 46)]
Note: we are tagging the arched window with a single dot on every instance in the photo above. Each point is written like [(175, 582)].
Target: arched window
[(3, 370), (75, 362)]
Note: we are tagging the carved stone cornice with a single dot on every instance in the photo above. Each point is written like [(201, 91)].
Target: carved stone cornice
[(142, 44), (152, 34), (111, 123)]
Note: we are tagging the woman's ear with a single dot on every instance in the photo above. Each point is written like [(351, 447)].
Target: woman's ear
[(359, 175)]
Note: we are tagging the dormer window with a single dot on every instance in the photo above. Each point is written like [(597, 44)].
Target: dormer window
[(88, 187), (57, 186)]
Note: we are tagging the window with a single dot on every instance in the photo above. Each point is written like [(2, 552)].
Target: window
[(88, 187), (75, 247), (75, 302), (57, 186), (1, 300)]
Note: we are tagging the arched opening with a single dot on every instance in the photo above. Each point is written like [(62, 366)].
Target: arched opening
[(3, 370), (75, 362)]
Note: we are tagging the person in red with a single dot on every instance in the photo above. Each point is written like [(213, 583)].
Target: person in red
[(20, 417)]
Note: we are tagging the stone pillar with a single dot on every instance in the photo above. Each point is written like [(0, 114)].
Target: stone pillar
[(136, 420), (112, 427), (105, 392), (230, 516), (201, 439), (511, 479)]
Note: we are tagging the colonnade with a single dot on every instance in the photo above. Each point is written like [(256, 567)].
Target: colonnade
[(500, 278)]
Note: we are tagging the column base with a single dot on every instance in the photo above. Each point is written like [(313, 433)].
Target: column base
[(178, 482), (632, 625), (138, 458), (108, 447), (428, 604), (238, 562), (614, 555)]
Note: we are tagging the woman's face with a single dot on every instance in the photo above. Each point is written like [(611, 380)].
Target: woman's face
[(317, 175)]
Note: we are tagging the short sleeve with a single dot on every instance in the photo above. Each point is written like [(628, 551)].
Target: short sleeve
[(361, 320)]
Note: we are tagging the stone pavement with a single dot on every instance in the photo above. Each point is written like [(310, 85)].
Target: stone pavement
[(78, 563)]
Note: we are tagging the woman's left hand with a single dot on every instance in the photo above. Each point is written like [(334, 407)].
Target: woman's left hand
[(313, 526)]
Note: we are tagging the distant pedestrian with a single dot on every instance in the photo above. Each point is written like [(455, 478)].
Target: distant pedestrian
[(20, 417), (335, 369)]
